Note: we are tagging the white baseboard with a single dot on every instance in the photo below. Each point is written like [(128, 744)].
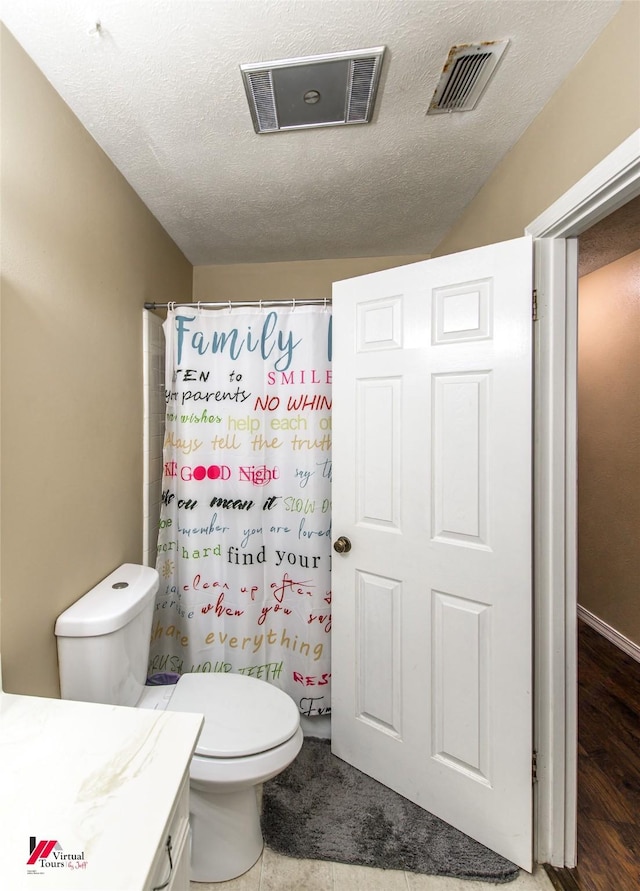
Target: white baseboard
[(623, 643)]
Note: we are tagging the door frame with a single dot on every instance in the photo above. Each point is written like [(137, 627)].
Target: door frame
[(609, 185)]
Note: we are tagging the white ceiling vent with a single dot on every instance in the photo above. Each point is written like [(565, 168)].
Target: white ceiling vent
[(316, 91), (465, 75)]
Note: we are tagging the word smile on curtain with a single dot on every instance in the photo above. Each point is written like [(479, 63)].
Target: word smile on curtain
[(245, 526)]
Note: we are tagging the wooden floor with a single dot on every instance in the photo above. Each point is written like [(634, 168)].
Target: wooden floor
[(608, 766)]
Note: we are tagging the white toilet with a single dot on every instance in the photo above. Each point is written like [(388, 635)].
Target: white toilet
[(251, 729)]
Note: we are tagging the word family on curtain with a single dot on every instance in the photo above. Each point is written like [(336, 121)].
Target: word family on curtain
[(245, 526)]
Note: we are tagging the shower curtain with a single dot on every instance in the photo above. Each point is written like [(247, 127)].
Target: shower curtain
[(245, 525)]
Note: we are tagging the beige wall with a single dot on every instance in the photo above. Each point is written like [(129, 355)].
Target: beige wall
[(609, 444), (304, 279), (80, 254), (595, 109)]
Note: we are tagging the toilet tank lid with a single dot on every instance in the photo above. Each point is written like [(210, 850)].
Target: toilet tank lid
[(112, 603)]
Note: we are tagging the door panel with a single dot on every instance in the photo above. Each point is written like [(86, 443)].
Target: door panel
[(432, 485), (378, 604), (379, 424)]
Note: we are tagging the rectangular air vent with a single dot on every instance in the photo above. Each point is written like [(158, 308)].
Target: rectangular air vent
[(465, 75), (316, 91)]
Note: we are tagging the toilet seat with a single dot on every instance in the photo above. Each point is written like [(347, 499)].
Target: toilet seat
[(242, 715)]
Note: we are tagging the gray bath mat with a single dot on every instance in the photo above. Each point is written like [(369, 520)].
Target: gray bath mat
[(321, 808)]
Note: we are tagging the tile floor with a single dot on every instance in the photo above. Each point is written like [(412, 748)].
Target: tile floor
[(273, 872)]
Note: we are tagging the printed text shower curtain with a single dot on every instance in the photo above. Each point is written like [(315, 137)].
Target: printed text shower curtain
[(245, 526)]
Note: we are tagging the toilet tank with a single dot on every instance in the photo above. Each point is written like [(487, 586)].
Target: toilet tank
[(103, 638)]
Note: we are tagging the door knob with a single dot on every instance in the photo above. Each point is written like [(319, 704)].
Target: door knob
[(342, 545)]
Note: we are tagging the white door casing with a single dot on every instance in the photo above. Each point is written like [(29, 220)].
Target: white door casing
[(432, 614), (611, 183)]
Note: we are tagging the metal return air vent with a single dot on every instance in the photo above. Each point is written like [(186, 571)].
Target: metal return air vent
[(316, 91), (465, 76)]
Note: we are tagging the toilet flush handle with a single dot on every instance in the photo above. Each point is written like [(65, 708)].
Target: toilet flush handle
[(342, 545)]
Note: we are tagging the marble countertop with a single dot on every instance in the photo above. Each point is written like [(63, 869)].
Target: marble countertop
[(99, 780)]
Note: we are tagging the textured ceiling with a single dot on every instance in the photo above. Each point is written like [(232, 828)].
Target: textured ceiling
[(614, 237), (157, 84)]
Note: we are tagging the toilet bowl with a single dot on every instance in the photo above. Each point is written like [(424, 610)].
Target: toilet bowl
[(251, 729), (251, 733)]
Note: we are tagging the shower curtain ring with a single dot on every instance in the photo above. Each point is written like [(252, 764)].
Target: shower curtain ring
[(294, 303), (229, 306)]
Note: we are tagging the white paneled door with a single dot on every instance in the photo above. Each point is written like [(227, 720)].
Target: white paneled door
[(432, 616)]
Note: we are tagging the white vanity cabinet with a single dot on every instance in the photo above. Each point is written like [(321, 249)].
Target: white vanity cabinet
[(91, 793), (170, 870)]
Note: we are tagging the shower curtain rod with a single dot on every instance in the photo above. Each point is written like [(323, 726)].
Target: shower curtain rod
[(229, 304)]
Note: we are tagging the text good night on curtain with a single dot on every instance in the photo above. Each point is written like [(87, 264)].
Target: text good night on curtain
[(245, 527)]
